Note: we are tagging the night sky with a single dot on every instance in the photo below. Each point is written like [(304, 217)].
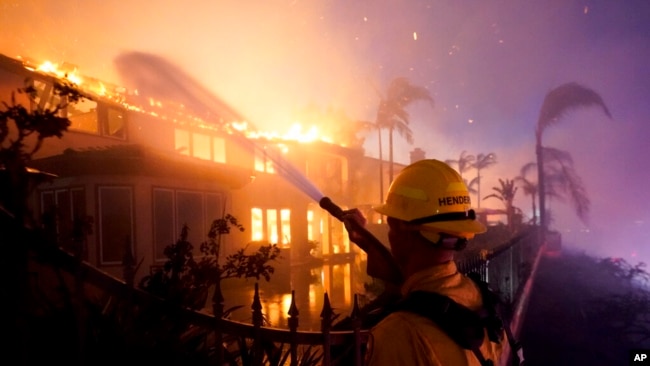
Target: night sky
[(488, 65)]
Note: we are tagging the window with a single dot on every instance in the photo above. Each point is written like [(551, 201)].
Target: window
[(189, 211), (271, 225), (199, 145), (285, 226), (83, 116), (174, 208), (327, 233), (218, 149), (182, 141), (86, 115), (310, 225), (257, 224), (44, 96), (115, 125), (264, 161), (163, 221), (61, 210), (115, 224)]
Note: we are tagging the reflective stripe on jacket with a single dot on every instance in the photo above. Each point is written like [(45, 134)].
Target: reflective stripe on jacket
[(404, 338)]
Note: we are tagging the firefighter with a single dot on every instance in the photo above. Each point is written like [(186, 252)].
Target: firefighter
[(429, 218)]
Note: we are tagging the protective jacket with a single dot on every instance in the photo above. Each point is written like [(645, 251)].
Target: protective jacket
[(406, 338)]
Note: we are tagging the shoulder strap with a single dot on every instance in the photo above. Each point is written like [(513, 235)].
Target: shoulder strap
[(492, 305), (461, 324)]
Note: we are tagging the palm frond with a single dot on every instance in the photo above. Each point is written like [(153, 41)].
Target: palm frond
[(493, 195), (530, 167), (484, 160), (405, 132), (472, 183), (563, 99), (530, 188), (563, 181)]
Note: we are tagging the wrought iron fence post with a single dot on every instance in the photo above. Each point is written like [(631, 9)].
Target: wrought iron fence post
[(217, 310), (325, 327), (356, 326), (293, 328), (258, 356)]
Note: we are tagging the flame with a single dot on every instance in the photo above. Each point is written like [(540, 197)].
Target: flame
[(295, 133), (49, 67)]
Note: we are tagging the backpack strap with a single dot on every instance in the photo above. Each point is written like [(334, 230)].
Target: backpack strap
[(462, 325), (492, 306)]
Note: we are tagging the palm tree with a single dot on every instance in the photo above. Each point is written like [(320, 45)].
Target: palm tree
[(464, 162), (482, 161), (470, 185), (506, 194), (557, 103), (529, 187), (562, 180), (392, 114)]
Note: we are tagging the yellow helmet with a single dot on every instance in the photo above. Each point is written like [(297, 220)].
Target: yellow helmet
[(433, 196)]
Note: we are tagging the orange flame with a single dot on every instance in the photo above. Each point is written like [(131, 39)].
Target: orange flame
[(295, 133)]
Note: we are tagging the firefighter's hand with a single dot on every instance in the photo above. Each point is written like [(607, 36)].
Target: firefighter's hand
[(353, 220)]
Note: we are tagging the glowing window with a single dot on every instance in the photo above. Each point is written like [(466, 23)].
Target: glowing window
[(83, 116), (201, 146), (116, 123), (285, 224), (257, 224), (272, 225), (44, 96), (310, 225), (263, 162), (182, 141), (218, 150), (268, 165), (259, 163)]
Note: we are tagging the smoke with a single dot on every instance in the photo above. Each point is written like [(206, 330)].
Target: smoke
[(154, 77), (488, 66), (157, 78)]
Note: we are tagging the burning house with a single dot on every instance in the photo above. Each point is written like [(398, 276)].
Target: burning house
[(141, 170)]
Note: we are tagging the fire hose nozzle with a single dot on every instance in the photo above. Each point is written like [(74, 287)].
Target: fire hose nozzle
[(329, 206), (381, 263)]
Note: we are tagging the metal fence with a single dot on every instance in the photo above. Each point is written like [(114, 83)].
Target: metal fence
[(507, 267)]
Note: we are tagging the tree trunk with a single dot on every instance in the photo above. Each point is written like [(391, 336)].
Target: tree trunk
[(542, 193), (534, 210), (390, 155), (478, 188), (381, 169)]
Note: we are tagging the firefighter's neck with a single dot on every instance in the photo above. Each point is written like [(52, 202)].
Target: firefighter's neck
[(425, 256)]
